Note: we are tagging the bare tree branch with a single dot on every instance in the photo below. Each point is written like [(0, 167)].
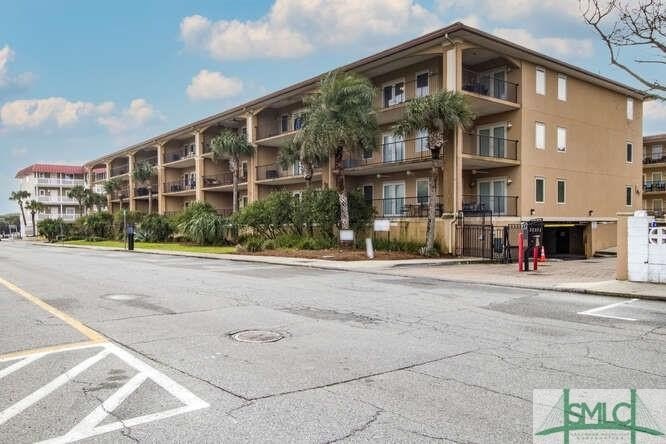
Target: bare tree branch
[(626, 23)]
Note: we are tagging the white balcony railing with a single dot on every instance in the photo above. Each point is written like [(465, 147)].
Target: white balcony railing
[(56, 199), (70, 217), (59, 182)]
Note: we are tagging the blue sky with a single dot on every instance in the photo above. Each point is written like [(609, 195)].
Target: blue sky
[(79, 78)]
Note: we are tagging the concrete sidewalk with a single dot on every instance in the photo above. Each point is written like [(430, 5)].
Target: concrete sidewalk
[(592, 276)]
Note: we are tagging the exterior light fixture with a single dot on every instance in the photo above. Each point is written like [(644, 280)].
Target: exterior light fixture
[(532, 211)]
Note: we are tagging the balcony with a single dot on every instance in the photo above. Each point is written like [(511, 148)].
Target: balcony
[(59, 182), (481, 151), (392, 157), (181, 186), (182, 157), (479, 205), (274, 173), (487, 94), (221, 180), (56, 199), (67, 217), (142, 192), (402, 207), (152, 161), (119, 170), (122, 193), (392, 97), (276, 133), (654, 186), (655, 158)]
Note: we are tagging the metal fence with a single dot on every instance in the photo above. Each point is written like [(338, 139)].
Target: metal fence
[(498, 244)]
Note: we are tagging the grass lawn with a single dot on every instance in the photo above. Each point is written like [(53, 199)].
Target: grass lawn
[(169, 246)]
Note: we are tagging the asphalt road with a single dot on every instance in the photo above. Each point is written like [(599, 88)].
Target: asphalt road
[(364, 357)]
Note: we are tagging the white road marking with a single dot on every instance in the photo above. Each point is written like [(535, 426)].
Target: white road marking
[(88, 426), (37, 395), (18, 365), (595, 311)]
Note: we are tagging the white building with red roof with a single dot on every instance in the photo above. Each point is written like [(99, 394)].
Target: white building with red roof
[(50, 184)]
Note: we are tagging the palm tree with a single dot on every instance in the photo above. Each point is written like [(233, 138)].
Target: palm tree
[(439, 114), (339, 120), (34, 207), (95, 200), (113, 186), (79, 193), (308, 155), (143, 173), (231, 145), (19, 197)]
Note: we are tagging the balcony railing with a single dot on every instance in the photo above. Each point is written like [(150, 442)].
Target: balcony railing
[(275, 171), (286, 123), (218, 180), (225, 212), (654, 159), (59, 182), (152, 161), (487, 146), (64, 216), (485, 204), (142, 191), (119, 170), (487, 85), (406, 207), (398, 92), (181, 185), (654, 186), (122, 193), (410, 150), (187, 152), (55, 199)]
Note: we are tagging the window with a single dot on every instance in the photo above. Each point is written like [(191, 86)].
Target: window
[(657, 205), (493, 83), (561, 191), (393, 148), (491, 195), (540, 186), (540, 136), (630, 108), (657, 152), (422, 191), (367, 154), (422, 84), (284, 124), (656, 176), (628, 195), (491, 141), (244, 170), (368, 193), (394, 198), (243, 201), (630, 152), (421, 141), (561, 139), (562, 87), (394, 94), (540, 81)]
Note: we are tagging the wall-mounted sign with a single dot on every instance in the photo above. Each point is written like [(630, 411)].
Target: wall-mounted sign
[(382, 225), (347, 235)]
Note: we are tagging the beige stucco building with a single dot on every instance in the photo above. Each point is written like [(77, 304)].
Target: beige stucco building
[(550, 140)]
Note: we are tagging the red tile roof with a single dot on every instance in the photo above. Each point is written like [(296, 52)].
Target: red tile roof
[(50, 168)]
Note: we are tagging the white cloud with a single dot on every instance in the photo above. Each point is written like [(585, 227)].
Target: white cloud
[(558, 46), (19, 151), (211, 85), (58, 111), (293, 28), (655, 110), (6, 80), (137, 114), (508, 10)]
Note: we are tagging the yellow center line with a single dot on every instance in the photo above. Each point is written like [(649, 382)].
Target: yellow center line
[(92, 335)]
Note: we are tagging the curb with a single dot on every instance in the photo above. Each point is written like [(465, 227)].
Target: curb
[(385, 272)]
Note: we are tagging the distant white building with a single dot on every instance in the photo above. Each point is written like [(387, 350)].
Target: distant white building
[(50, 184)]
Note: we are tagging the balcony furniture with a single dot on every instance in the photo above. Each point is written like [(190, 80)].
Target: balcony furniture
[(175, 157), (272, 174), (175, 187), (477, 88), (211, 182)]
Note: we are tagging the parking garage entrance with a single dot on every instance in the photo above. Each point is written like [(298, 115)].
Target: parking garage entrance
[(564, 240)]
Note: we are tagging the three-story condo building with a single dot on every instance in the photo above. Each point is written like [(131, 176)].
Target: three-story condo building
[(549, 141), (50, 185), (654, 173)]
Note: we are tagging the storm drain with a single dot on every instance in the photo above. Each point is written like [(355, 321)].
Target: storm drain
[(257, 336)]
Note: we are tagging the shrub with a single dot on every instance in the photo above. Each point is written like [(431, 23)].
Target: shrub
[(361, 211), (156, 228), (269, 244), (119, 219), (52, 228), (193, 210), (97, 226), (268, 217), (253, 244), (402, 246), (204, 228)]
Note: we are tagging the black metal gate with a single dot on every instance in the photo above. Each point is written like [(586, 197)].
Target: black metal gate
[(488, 242)]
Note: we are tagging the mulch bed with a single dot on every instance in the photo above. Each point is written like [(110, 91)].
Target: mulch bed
[(337, 254)]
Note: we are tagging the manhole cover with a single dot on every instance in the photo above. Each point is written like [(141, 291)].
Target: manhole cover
[(121, 297), (257, 336)]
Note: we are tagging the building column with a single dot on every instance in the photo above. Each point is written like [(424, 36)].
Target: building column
[(252, 187), (131, 185), (108, 196), (199, 165), (161, 179)]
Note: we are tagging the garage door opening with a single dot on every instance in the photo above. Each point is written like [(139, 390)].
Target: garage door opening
[(564, 241)]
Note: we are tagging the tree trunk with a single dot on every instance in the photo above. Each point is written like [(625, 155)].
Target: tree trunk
[(25, 222), (307, 173), (233, 164), (150, 199), (341, 188), (34, 228), (435, 143)]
